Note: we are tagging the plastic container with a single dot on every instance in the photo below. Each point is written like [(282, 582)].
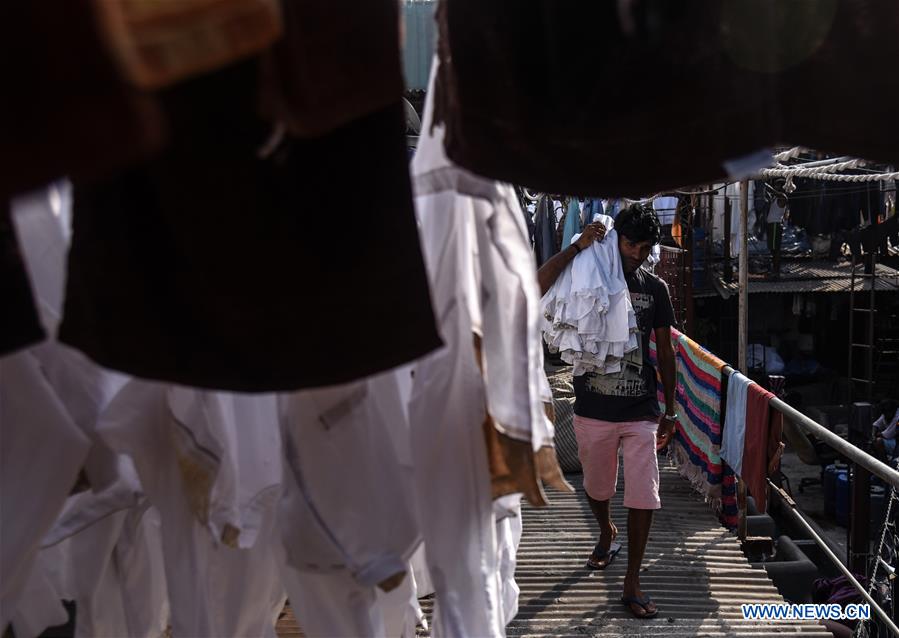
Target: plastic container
[(878, 510), (841, 511), (829, 486)]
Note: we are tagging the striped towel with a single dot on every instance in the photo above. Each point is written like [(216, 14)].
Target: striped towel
[(696, 446)]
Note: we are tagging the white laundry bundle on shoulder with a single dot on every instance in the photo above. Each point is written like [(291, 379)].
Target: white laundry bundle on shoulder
[(587, 314)]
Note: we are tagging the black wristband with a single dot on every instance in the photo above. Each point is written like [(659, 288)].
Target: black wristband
[(577, 248)]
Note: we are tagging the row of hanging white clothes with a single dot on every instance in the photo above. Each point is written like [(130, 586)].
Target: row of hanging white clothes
[(202, 511)]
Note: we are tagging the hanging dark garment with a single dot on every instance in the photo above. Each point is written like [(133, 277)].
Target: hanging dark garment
[(210, 267), (333, 66), (65, 109), (545, 233), (844, 202), (715, 82), (497, 57), (853, 39), (20, 325), (801, 203)]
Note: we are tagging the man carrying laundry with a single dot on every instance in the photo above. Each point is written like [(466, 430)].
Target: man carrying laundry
[(620, 410)]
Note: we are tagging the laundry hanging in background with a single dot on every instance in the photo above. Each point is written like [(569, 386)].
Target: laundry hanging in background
[(573, 224), (762, 444), (592, 207), (734, 433), (545, 233)]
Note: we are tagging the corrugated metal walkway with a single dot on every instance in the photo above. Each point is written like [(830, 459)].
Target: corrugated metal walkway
[(693, 568)]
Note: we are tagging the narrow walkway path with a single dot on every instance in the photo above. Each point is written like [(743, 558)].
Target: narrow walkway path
[(694, 570)]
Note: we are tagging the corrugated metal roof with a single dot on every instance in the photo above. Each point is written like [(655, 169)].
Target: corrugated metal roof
[(693, 568), (808, 276)]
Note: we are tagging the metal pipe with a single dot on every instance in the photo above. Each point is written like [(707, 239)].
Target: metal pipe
[(744, 275), (793, 511), (728, 264), (842, 446)]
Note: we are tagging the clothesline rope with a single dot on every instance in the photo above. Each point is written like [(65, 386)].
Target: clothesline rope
[(828, 173), (793, 153), (877, 177), (803, 171)]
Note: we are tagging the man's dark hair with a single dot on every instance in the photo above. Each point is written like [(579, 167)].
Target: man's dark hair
[(639, 223)]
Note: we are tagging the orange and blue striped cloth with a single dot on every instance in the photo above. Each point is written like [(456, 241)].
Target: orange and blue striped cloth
[(696, 446)]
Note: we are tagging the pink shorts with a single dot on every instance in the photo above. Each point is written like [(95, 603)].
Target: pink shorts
[(597, 448)]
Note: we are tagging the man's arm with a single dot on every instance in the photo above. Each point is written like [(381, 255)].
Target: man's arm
[(668, 372), (555, 265), (667, 366)]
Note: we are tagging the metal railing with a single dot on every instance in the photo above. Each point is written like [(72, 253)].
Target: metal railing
[(857, 456), (797, 517), (844, 447)]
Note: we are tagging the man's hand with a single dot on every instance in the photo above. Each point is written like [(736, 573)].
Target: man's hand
[(550, 271), (593, 232), (665, 432)]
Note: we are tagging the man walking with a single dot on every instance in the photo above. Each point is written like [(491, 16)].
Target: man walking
[(620, 410)]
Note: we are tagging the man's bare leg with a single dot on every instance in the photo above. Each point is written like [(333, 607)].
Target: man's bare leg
[(639, 523), (607, 529)]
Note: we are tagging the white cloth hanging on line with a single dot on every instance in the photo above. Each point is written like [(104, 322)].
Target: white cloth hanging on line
[(214, 589), (487, 378), (587, 313), (348, 501)]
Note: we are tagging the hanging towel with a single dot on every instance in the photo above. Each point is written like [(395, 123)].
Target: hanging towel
[(762, 446), (696, 446), (735, 422), (573, 223)]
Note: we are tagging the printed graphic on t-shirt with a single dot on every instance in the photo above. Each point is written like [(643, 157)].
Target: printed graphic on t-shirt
[(630, 382)]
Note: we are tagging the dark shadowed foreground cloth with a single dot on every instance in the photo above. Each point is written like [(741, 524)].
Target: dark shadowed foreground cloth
[(667, 92), (211, 267)]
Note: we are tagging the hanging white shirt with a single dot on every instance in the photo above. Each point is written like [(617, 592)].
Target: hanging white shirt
[(214, 590), (348, 499), (40, 457), (483, 283)]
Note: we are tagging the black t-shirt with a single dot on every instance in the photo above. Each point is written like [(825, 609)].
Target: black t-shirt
[(629, 395)]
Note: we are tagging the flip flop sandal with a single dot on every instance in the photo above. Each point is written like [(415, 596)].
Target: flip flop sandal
[(600, 554), (640, 602)]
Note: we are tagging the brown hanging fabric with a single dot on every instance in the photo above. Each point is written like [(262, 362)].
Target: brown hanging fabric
[(160, 42)]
